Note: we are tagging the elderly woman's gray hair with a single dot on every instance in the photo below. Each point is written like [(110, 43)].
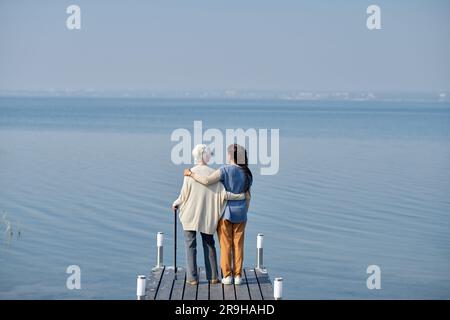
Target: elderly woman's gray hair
[(201, 152)]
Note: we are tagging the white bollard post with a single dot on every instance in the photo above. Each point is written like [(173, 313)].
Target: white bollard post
[(278, 288), (159, 244), (259, 251), (140, 288)]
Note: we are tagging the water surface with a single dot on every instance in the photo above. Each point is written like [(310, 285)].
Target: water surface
[(89, 182)]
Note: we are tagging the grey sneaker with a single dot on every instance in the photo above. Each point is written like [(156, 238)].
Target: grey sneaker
[(192, 283)]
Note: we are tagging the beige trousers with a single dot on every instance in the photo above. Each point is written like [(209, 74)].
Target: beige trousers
[(231, 239)]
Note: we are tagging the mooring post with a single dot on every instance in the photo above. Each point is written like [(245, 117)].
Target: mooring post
[(259, 251), (140, 288), (159, 244), (278, 288)]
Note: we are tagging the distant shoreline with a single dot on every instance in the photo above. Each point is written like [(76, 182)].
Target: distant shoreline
[(288, 96)]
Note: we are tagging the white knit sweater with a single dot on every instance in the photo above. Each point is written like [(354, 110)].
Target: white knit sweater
[(200, 207)]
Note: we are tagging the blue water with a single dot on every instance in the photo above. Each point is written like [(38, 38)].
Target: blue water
[(89, 182)]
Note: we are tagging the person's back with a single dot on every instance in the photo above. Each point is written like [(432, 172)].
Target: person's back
[(202, 205), (235, 180)]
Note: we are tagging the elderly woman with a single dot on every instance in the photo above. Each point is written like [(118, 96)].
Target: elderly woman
[(200, 210)]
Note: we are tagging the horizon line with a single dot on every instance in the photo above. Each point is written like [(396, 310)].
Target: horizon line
[(239, 94)]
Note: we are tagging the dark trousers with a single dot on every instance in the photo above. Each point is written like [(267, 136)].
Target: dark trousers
[(209, 252)]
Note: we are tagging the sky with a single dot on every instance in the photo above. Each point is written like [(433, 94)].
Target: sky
[(225, 44)]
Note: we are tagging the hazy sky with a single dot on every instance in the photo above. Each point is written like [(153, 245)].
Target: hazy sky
[(225, 44)]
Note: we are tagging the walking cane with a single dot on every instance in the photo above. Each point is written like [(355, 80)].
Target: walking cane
[(175, 240)]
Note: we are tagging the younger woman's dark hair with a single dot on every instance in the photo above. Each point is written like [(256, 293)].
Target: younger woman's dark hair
[(239, 155)]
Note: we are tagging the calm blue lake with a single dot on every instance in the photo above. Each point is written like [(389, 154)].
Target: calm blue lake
[(90, 181)]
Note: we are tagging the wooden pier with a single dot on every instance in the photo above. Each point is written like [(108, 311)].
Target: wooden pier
[(162, 285)]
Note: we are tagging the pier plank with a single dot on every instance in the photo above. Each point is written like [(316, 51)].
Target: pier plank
[(242, 291), (178, 285), (203, 285), (252, 283), (153, 283), (216, 291), (166, 284), (265, 285)]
